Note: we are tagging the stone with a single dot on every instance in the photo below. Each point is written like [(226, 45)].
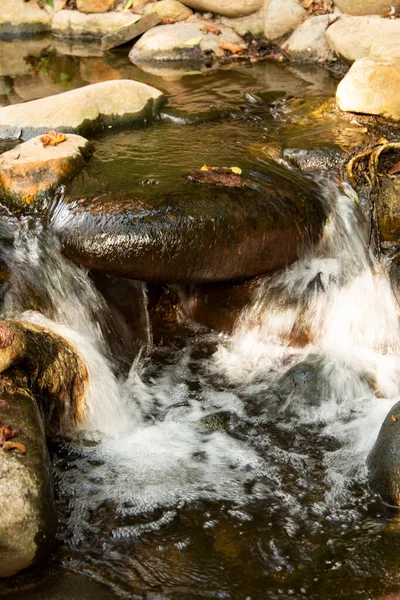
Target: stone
[(253, 24), (14, 55), (126, 33), (27, 516), (94, 6), (281, 16), (110, 103), (182, 42), (169, 9), (366, 7), (33, 86), (18, 18), (95, 70), (355, 37), (371, 86), (74, 24), (308, 41), (227, 8), (384, 459), (6, 85), (198, 233), (29, 172)]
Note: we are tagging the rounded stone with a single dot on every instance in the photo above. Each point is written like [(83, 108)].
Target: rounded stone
[(227, 8), (198, 232)]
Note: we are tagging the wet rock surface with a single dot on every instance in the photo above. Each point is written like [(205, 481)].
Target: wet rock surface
[(197, 233), (27, 517), (31, 171), (82, 110)]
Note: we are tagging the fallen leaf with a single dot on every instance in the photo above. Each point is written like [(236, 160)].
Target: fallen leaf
[(395, 169), (234, 48), (217, 176), (193, 41), (236, 170), (211, 29), (394, 418), (7, 446), (7, 432), (52, 138)]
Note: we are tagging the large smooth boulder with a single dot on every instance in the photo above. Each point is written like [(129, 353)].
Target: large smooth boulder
[(366, 7), (281, 16), (30, 172), (74, 24), (27, 516), (355, 37), (169, 9), (110, 103), (186, 42), (227, 8), (199, 232), (384, 459), (372, 87), (308, 41), (18, 18)]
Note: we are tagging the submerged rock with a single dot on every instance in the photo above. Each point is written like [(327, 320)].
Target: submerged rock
[(110, 103), (197, 233), (372, 86), (384, 459), (30, 172), (27, 516)]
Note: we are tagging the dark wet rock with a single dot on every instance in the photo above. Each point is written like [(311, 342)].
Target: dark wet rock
[(384, 459), (324, 161), (110, 103), (198, 232), (27, 516)]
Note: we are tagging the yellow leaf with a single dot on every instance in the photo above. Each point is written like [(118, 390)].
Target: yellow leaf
[(236, 170), (193, 41), (204, 168)]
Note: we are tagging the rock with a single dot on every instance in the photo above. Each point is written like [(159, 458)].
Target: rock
[(316, 161), (186, 42), (95, 70), (371, 86), (355, 37), (94, 6), (6, 85), (82, 110), (281, 16), (253, 24), (169, 9), (387, 206), (74, 24), (30, 173), (33, 86), (199, 233), (366, 7), (227, 8), (27, 516), (126, 33), (18, 18), (15, 55), (308, 41), (384, 459)]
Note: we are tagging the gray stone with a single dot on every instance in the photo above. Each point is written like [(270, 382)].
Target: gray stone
[(73, 24), (27, 516), (308, 41), (84, 109), (253, 24), (371, 86), (355, 37), (227, 8), (366, 7), (126, 33), (18, 18), (281, 16)]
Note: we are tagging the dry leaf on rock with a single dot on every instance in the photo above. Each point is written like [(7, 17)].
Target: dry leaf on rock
[(52, 138), (234, 48), (7, 446), (211, 29)]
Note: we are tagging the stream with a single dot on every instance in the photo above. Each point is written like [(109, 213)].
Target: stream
[(215, 465)]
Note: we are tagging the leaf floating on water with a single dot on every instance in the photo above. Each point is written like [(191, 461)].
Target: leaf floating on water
[(52, 138), (7, 446), (193, 41)]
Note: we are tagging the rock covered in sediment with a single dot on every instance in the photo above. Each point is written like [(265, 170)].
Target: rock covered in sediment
[(366, 7), (110, 103), (308, 41), (253, 23), (27, 516), (384, 459), (75, 24), (355, 37), (227, 8), (281, 16), (30, 172), (169, 9), (185, 42), (94, 6), (199, 233), (371, 86), (18, 18)]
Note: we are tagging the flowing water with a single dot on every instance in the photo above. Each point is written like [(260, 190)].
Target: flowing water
[(226, 466)]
